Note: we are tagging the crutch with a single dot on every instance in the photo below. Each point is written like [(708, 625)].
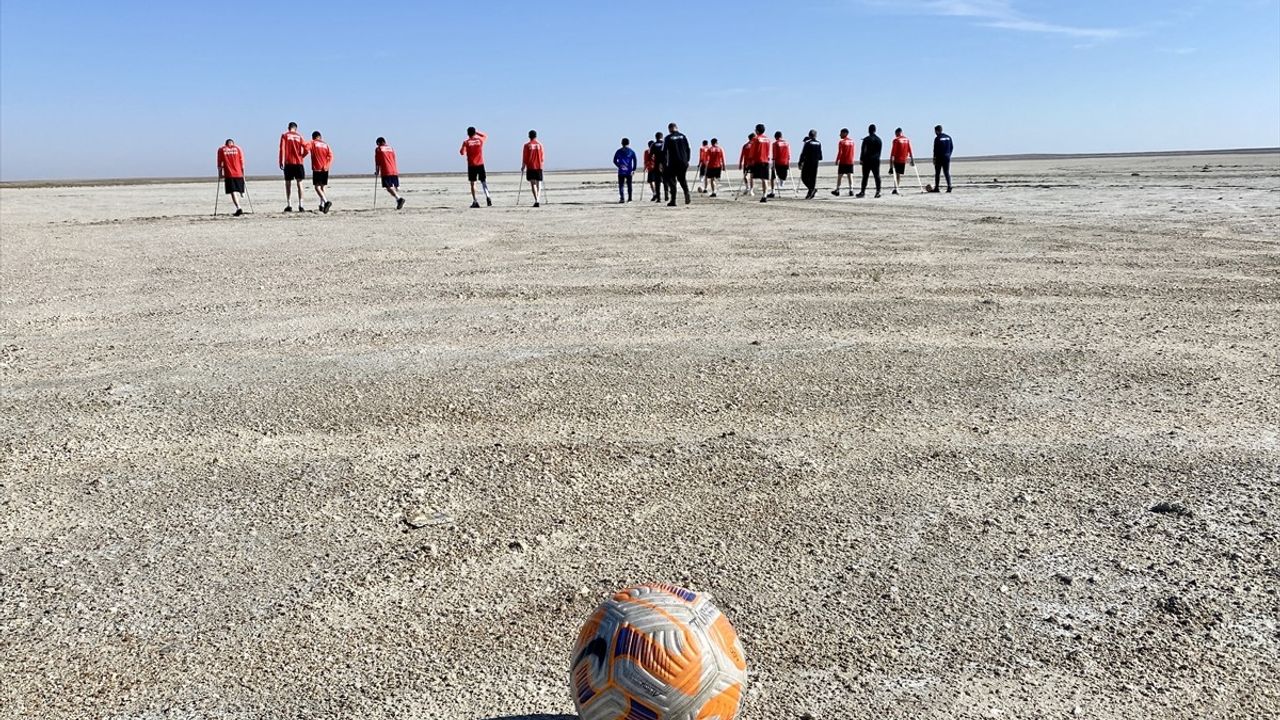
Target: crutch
[(217, 194), (246, 196), (519, 185), (375, 191), (918, 180)]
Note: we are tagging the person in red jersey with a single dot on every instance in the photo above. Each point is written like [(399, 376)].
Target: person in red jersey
[(846, 151), (231, 170), (321, 160), (899, 155), (744, 162), (651, 173), (715, 164), (384, 165), (781, 162), (473, 149), (531, 166), (702, 166), (760, 155), (292, 150)]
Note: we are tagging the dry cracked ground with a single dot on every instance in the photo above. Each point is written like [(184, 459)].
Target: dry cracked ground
[(1010, 452)]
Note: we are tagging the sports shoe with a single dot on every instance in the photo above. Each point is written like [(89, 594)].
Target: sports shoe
[(836, 192), (712, 195), (850, 193), (860, 195), (764, 199), (621, 201), (948, 189), (288, 208), (475, 204), (488, 201), (327, 204), (399, 203), (535, 204), (238, 212), (877, 194), (770, 195), (671, 204), (895, 192)]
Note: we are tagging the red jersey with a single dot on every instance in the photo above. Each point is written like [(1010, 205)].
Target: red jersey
[(292, 148), (321, 155), (533, 155), (384, 160), (715, 157), (702, 154), (231, 161), (762, 150), (473, 148), (846, 149), (781, 153), (648, 160), (901, 151), (744, 158)]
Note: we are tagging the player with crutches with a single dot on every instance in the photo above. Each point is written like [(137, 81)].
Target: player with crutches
[(531, 166), (899, 155), (384, 166), (231, 174)]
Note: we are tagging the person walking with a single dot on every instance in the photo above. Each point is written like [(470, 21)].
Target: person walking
[(870, 157), (745, 159), (625, 160), (676, 149), (702, 167), (760, 159), (292, 150), (942, 149), (781, 163), (384, 165), (715, 165), (231, 170), (660, 165), (899, 156), (531, 166), (473, 149), (845, 150), (810, 159), (321, 161), (651, 174)]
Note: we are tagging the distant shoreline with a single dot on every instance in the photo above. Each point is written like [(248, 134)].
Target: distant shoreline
[(99, 182)]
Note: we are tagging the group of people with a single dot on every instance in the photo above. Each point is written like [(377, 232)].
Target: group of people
[(666, 162)]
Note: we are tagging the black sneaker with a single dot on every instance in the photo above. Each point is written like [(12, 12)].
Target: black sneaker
[(535, 204), (770, 195), (327, 204), (895, 192), (288, 208), (948, 189), (475, 204), (621, 201), (836, 192), (238, 212), (859, 195), (671, 204), (712, 195), (488, 201), (399, 203), (764, 199), (877, 194)]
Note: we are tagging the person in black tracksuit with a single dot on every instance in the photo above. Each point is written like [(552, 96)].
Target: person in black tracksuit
[(676, 148), (942, 149), (870, 157), (810, 158), (659, 161)]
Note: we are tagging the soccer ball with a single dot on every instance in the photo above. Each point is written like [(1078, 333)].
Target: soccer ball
[(657, 652)]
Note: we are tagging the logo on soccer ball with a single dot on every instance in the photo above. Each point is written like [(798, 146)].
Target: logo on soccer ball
[(657, 652)]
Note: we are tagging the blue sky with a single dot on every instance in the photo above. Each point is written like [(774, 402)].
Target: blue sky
[(151, 89)]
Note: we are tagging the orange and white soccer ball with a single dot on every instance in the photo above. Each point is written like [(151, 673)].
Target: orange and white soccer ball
[(658, 652)]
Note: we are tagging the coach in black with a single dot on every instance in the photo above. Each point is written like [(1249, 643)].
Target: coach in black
[(675, 148), (870, 157), (810, 158)]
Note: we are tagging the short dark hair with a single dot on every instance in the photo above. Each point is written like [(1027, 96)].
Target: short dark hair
[(897, 131), (471, 131), (844, 131), (871, 128), (751, 136), (315, 135), (293, 126), (533, 134), (759, 128), (657, 136), (626, 142), (813, 133), (715, 141), (938, 128), (704, 142), (229, 142), (380, 141), (672, 127), (777, 135)]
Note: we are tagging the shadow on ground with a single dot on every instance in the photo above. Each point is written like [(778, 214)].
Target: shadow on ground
[(537, 716)]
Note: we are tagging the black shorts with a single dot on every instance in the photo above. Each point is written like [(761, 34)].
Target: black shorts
[(653, 176), (476, 172), (846, 168), (233, 185), (781, 171), (390, 181), (702, 169), (295, 172), (900, 168), (760, 171), (533, 175), (319, 178), (714, 173)]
